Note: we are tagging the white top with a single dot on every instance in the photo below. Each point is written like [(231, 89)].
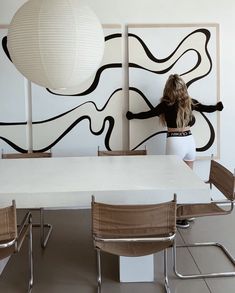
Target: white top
[(70, 181)]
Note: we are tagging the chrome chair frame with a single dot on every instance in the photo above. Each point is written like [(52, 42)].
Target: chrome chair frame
[(44, 237), (140, 240), (136, 239), (27, 220), (208, 244)]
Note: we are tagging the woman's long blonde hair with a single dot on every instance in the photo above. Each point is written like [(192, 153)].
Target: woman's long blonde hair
[(175, 92)]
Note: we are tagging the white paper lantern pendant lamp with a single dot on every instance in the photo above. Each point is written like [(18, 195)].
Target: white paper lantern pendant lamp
[(56, 43)]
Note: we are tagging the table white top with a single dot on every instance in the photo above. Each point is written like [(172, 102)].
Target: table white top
[(70, 181)]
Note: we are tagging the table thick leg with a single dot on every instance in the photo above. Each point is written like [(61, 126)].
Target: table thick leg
[(136, 269)]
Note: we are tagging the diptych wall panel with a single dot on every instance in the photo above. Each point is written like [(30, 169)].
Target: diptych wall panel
[(72, 122), (155, 52), (78, 120)]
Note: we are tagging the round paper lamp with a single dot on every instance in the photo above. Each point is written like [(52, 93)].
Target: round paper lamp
[(56, 43)]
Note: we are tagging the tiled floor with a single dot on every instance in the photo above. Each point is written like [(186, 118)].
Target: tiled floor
[(68, 263)]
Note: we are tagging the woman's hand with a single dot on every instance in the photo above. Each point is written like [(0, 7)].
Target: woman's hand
[(129, 115), (220, 106)]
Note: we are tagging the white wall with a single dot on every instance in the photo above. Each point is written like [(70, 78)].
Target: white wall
[(182, 11)]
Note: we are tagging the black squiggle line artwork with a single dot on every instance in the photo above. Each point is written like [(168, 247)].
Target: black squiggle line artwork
[(13, 145), (71, 110), (97, 75), (12, 123), (107, 136), (4, 47), (212, 136), (163, 60), (108, 119), (207, 35), (94, 83), (142, 95), (112, 36), (149, 137)]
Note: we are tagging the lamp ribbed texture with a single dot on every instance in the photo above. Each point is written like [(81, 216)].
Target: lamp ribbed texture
[(56, 43)]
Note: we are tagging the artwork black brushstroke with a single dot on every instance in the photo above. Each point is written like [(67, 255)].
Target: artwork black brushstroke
[(97, 75), (107, 120), (4, 47), (164, 60), (94, 83)]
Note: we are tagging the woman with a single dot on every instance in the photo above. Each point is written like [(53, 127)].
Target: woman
[(175, 111)]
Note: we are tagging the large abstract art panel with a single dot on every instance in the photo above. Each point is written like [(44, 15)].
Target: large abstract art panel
[(78, 120), (155, 52), (71, 121)]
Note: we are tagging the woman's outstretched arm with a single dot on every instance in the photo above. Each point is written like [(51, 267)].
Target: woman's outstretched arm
[(159, 109), (207, 108)]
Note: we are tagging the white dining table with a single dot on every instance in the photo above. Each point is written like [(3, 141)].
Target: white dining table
[(61, 182), (69, 182)]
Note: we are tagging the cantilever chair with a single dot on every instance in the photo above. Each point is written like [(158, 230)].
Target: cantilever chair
[(133, 230), (224, 181), (122, 152), (44, 236), (11, 238)]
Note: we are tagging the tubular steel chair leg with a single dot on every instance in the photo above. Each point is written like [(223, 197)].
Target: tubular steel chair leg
[(166, 283), (98, 270), (30, 257), (44, 238), (208, 275)]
